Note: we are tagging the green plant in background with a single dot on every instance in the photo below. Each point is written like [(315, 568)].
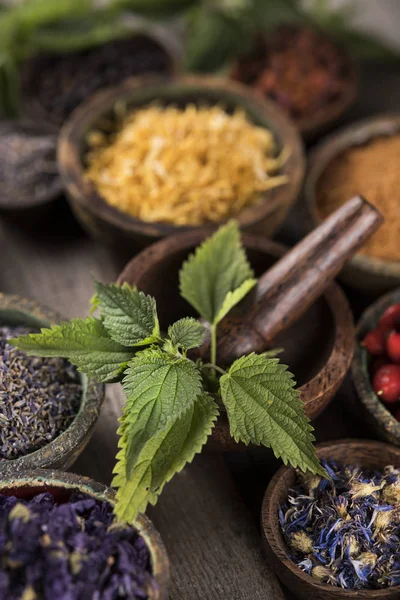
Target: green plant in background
[(216, 30), (215, 27), (172, 401)]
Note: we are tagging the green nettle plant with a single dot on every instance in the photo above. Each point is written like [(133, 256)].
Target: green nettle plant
[(172, 402)]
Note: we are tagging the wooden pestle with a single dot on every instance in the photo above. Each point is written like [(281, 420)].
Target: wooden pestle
[(288, 288)]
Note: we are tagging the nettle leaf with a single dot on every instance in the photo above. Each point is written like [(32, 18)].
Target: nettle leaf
[(233, 298), (164, 455), (217, 267), (129, 315), (159, 388), (264, 408), (86, 344), (187, 333)]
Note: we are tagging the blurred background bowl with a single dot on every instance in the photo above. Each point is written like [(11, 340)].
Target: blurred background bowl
[(368, 274)]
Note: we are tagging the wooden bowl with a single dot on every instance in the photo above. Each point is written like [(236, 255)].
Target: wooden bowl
[(61, 485), (121, 230), (368, 274), (364, 453), (325, 117), (31, 209), (318, 348), (61, 452), (378, 416), (31, 69)]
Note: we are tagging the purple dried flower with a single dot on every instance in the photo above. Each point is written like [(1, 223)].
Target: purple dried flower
[(69, 551)]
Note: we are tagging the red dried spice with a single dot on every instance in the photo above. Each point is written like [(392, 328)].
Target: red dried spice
[(297, 67)]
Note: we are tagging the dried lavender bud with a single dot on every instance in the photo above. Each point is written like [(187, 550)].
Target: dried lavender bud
[(28, 166), (39, 398), (346, 532), (69, 551)]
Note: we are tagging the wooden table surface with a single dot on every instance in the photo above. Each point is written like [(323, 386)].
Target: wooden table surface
[(208, 515)]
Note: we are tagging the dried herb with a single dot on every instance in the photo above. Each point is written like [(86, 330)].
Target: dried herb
[(39, 398), (28, 165), (223, 156), (298, 67), (71, 551), (368, 168), (169, 411), (60, 82), (346, 531)]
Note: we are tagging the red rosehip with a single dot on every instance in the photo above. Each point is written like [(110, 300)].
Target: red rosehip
[(393, 347), (390, 318), (374, 342), (386, 383)]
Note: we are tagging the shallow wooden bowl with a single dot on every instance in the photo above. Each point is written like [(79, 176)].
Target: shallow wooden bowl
[(368, 274), (364, 453), (325, 117), (123, 231), (61, 485), (61, 452), (318, 348), (378, 416), (32, 210), (30, 70)]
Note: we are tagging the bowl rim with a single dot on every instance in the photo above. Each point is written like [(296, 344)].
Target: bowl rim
[(43, 478), (359, 373), (333, 296), (357, 133), (83, 193), (273, 537), (308, 126), (92, 396)]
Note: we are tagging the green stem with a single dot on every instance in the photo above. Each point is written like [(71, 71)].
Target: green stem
[(214, 368), (214, 344)]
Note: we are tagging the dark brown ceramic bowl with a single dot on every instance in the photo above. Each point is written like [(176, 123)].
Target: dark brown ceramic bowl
[(62, 452), (61, 485), (318, 348), (325, 117), (121, 230), (364, 453), (368, 274), (378, 416)]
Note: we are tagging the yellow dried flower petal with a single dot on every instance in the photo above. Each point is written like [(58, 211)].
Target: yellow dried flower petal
[(186, 167)]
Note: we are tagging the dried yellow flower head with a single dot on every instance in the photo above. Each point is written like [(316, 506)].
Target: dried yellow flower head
[(301, 542)]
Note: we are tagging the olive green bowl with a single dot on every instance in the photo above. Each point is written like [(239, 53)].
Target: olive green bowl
[(371, 275), (377, 415), (126, 233), (61, 452), (61, 485)]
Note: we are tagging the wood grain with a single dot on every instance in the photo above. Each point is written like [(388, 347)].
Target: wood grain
[(211, 520), (210, 537)]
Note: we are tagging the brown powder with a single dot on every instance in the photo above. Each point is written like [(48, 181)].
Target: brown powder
[(373, 171)]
